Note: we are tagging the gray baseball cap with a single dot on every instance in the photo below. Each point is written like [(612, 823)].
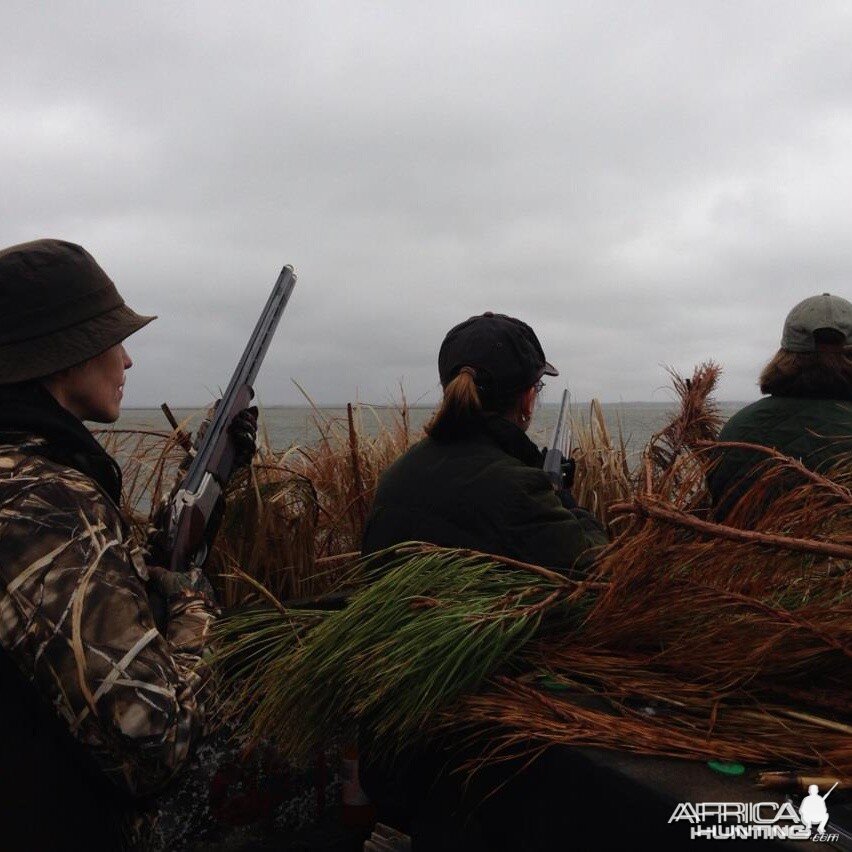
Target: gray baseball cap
[(813, 314)]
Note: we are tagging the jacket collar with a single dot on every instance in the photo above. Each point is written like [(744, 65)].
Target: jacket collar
[(512, 439), (28, 410)]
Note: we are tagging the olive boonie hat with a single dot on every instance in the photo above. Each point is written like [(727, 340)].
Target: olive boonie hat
[(58, 308), (815, 314), (503, 350)]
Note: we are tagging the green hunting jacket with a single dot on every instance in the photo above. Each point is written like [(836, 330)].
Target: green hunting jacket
[(815, 431), (485, 492), (76, 625)]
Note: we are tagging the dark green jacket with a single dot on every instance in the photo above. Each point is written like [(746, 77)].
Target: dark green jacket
[(815, 431), (486, 492)]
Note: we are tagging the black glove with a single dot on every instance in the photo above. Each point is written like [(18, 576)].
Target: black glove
[(566, 498), (564, 494), (177, 584), (569, 468), (243, 430)]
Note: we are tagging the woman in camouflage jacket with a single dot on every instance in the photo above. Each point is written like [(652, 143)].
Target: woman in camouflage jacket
[(101, 705)]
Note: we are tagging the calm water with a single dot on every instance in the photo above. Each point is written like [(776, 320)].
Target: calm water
[(637, 421)]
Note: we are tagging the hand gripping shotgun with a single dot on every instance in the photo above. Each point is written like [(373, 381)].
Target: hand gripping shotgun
[(559, 445), (196, 508)]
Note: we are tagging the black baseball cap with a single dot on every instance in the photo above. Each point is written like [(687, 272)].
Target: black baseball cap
[(504, 352)]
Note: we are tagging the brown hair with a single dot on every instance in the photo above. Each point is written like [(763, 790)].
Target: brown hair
[(459, 408), (823, 374)]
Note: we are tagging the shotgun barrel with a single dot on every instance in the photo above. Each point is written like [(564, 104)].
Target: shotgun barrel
[(196, 508), (558, 444)]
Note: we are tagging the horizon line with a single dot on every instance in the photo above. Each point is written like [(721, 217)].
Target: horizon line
[(307, 407)]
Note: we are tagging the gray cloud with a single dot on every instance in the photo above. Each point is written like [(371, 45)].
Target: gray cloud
[(645, 183)]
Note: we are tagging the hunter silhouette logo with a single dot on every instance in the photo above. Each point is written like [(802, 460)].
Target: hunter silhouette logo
[(813, 811)]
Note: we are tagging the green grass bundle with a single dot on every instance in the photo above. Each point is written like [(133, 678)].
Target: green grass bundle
[(426, 627)]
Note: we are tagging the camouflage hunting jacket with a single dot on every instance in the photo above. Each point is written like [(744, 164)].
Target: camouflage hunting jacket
[(75, 620)]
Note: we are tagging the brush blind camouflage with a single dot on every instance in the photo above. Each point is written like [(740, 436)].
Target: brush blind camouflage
[(76, 621)]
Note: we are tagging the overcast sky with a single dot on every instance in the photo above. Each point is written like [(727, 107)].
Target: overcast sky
[(644, 183)]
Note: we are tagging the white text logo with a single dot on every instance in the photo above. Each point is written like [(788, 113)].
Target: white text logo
[(757, 820)]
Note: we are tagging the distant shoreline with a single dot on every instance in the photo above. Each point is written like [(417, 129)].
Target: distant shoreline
[(326, 406), (285, 426)]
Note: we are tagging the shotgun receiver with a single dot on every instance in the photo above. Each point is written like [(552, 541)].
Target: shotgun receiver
[(195, 510), (559, 445)]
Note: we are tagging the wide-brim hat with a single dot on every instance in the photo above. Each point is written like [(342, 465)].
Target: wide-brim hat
[(58, 308), (503, 351)]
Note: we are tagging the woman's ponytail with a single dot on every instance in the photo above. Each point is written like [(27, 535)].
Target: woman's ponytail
[(459, 408)]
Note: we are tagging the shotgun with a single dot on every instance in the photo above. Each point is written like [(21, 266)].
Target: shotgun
[(195, 510), (559, 445)]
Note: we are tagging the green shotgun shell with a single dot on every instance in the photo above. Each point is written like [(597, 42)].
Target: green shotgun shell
[(726, 767)]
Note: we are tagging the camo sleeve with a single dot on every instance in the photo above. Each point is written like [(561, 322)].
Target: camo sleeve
[(74, 615)]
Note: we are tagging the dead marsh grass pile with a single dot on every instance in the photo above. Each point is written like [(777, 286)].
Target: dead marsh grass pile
[(603, 475), (691, 638), (294, 520)]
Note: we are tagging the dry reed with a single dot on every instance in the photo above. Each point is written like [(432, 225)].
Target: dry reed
[(294, 520), (603, 476), (696, 639)]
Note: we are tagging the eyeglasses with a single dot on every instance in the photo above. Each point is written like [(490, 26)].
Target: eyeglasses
[(539, 386)]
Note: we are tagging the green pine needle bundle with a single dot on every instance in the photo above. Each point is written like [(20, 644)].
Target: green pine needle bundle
[(428, 625)]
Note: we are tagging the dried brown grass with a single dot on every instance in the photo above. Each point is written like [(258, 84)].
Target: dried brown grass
[(731, 641), (294, 520), (702, 640), (701, 645), (603, 476)]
